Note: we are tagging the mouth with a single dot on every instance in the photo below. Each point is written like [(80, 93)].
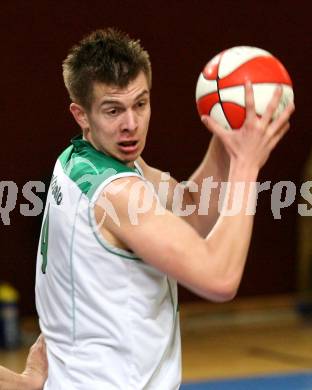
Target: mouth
[(128, 146)]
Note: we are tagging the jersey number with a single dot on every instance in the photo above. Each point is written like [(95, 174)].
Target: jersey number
[(44, 242)]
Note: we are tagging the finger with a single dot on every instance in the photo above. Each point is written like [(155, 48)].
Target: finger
[(279, 122), (40, 342), (272, 106), (249, 102)]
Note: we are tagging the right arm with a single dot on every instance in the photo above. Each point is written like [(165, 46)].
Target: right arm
[(212, 266)]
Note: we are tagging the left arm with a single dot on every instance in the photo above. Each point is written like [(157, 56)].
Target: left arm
[(9, 380), (35, 372)]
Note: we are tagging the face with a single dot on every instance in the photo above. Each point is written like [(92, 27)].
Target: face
[(117, 123)]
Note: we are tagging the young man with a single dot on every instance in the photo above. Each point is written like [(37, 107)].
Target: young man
[(112, 250), (35, 372)]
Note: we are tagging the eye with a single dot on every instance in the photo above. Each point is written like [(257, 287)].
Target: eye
[(141, 103), (114, 111)]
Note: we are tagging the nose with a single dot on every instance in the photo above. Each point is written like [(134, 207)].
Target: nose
[(130, 122)]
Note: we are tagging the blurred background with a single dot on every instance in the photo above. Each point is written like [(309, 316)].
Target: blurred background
[(180, 36)]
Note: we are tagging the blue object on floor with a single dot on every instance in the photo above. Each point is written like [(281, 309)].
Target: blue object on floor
[(299, 381)]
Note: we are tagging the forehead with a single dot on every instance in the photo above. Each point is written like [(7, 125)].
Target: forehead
[(103, 92)]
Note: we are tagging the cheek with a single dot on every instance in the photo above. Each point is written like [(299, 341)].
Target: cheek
[(145, 120), (148, 117), (105, 130)]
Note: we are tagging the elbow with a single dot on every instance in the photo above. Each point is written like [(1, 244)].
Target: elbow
[(225, 295), (222, 291)]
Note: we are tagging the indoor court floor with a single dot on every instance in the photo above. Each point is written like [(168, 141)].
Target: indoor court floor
[(248, 344), (301, 381)]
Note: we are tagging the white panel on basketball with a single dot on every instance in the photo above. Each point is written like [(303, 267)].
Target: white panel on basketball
[(287, 97), (236, 56), (204, 87), (233, 94), (263, 93), (217, 113)]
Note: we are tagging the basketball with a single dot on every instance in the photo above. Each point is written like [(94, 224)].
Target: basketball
[(220, 90)]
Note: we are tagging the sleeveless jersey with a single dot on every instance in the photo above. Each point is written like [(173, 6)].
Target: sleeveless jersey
[(110, 320)]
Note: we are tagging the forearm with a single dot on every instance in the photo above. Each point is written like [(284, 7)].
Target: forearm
[(9, 380), (229, 240), (212, 171)]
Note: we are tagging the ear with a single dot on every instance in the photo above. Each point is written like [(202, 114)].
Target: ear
[(80, 115)]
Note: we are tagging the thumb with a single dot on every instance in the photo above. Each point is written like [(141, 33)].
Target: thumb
[(40, 343)]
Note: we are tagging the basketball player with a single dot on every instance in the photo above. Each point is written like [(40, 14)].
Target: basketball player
[(110, 252), (35, 372)]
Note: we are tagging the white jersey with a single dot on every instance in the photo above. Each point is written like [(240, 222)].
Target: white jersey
[(110, 320)]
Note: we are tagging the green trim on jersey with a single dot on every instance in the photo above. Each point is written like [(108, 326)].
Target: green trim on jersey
[(109, 247), (88, 167), (72, 277), (44, 242)]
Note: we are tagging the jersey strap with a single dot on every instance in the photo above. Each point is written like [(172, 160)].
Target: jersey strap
[(89, 168)]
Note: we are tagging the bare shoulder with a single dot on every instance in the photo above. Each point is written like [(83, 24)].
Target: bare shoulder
[(123, 200)]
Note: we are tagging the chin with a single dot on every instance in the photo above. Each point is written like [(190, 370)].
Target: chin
[(129, 161)]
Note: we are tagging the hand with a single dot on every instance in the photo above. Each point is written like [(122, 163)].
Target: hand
[(36, 370), (252, 144)]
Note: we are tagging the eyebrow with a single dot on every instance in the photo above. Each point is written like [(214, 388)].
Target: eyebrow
[(116, 101)]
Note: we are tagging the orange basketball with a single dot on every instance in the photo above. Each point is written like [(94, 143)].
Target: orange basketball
[(220, 86)]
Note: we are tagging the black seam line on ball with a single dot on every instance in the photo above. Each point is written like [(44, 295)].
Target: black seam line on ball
[(221, 103)]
